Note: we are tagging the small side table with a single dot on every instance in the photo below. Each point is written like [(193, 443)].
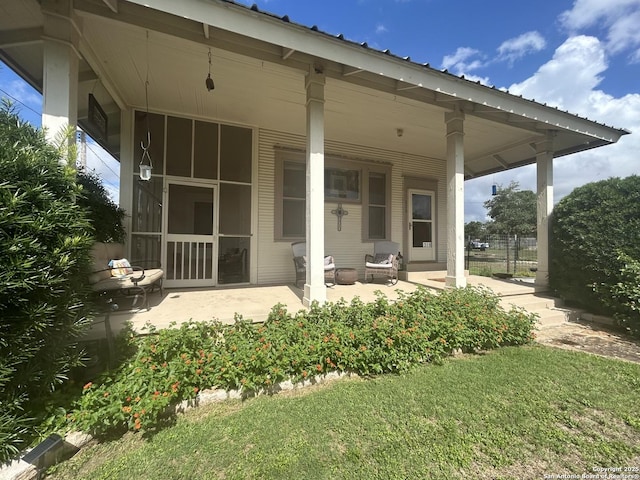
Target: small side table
[(346, 276)]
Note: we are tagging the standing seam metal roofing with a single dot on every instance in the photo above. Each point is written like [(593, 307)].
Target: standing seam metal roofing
[(340, 36)]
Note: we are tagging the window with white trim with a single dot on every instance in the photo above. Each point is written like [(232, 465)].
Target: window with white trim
[(346, 181)]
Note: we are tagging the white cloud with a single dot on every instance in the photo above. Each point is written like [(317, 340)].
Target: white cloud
[(624, 34), (466, 59), (380, 28), (620, 20), (569, 81), (516, 48), (463, 60)]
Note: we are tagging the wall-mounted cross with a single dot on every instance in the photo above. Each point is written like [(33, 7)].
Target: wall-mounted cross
[(340, 212)]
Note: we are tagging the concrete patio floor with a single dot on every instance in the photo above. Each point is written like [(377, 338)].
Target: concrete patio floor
[(255, 302)]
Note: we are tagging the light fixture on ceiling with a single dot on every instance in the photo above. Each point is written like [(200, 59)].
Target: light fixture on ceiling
[(209, 81)]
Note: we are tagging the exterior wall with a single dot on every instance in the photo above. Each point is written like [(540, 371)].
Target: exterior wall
[(274, 259)]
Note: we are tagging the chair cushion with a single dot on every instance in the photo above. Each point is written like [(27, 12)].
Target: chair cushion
[(383, 258), (151, 276), (379, 265), (329, 266)]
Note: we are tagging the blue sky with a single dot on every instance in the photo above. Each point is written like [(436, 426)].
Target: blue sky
[(582, 56)]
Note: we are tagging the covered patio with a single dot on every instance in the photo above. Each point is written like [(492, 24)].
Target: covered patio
[(240, 132), (255, 302)]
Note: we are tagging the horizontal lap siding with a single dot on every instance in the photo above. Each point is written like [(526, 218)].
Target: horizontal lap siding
[(275, 263), (421, 167)]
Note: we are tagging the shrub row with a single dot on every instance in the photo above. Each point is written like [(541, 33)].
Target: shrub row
[(174, 364), (594, 236), (622, 295)]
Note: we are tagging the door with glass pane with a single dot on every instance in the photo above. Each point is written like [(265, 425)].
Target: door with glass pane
[(421, 225), (191, 241)]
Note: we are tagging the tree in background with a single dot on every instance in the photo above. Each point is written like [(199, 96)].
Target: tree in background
[(513, 212), (473, 230), (45, 243)]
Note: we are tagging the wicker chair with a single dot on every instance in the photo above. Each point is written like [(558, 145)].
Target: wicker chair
[(383, 262), (299, 250)]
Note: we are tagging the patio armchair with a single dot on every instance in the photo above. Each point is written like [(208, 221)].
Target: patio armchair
[(383, 262), (299, 250)]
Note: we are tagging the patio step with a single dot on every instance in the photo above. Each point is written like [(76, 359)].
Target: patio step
[(551, 311)]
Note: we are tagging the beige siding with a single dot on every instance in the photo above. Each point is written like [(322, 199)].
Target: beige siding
[(275, 264)]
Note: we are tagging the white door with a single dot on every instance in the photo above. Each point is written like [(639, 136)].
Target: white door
[(191, 240), (421, 234)]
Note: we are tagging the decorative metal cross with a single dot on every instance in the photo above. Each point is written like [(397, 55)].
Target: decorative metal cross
[(340, 212)]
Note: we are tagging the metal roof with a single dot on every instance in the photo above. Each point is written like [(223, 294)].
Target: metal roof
[(314, 28)]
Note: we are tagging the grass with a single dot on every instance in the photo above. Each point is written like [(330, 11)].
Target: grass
[(513, 413)]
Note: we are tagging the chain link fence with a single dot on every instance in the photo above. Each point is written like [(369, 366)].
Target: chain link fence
[(502, 255)]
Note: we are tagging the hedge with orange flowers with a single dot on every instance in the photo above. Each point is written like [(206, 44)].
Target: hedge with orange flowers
[(174, 364)]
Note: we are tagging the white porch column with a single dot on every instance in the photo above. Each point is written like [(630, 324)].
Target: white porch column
[(60, 67), (455, 199), (127, 166), (544, 166), (314, 287)]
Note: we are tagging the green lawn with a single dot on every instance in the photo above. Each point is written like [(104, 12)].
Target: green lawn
[(513, 413)]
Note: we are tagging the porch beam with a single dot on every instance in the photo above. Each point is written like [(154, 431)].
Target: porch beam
[(287, 52), (87, 76), (347, 71), (403, 87), (20, 37), (544, 197), (455, 199), (501, 161), (105, 79), (469, 173), (505, 148), (112, 4), (314, 287)]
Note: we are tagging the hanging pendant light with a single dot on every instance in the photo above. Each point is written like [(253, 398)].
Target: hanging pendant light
[(145, 162), (145, 169), (209, 81)]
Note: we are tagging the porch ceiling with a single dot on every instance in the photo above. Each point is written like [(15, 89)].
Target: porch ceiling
[(261, 83)]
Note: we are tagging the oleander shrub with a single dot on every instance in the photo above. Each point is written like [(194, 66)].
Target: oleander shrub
[(590, 229), (174, 364), (103, 214), (623, 297), (45, 240)]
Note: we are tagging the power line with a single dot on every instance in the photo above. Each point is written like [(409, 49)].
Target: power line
[(19, 101), (103, 162), (117, 175)]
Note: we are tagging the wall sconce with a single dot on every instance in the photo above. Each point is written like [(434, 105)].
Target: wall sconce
[(209, 81)]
